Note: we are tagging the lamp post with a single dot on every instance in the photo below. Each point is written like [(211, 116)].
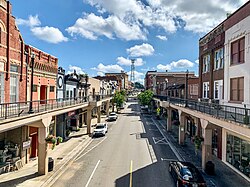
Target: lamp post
[(166, 86), (31, 83), (186, 89)]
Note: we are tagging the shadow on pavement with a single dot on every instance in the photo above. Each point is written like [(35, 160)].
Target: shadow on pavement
[(15, 182)]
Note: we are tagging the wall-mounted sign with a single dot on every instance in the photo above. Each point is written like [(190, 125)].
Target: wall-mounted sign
[(26, 144)]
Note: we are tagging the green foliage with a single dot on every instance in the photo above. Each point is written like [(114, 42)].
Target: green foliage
[(138, 85), (119, 98), (146, 97)]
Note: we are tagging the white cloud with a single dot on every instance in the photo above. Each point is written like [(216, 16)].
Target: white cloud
[(76, 68), (92, 26), (49, 34), (100, 73), (108, 68), (127, 62), (182, 63), (169, 14), (31, 22), (197, 61), (162, 37), (141, 50)]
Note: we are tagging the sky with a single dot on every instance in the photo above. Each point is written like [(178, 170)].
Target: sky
[(101, 36)]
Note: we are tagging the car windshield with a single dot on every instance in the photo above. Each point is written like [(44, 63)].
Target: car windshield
[(112, 114), (190, 173), (100, 127)]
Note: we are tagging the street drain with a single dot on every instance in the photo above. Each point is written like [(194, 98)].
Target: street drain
[(59, 158)]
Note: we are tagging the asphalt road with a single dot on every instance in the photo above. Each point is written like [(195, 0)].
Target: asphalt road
[(133, 153)]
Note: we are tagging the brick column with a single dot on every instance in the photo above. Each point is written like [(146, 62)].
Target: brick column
[(89, 121), (181, 128), (206, 147), (99, 114), (169, 120)]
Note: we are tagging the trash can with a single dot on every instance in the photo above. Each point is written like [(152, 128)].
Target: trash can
[(50, 164), (209, 168)]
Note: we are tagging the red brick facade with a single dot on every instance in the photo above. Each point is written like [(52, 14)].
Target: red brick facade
[(11, 53)]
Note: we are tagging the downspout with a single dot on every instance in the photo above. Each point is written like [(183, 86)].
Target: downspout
[(8, 42)]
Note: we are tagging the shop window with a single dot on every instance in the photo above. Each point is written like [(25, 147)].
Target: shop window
[(51, 88), (237, 154), (237, 89), (238, 51)]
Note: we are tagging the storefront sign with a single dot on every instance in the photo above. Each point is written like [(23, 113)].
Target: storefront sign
[(26, 144), (71, 113)]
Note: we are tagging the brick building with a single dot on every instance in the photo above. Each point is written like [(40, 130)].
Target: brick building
[(12, 59)]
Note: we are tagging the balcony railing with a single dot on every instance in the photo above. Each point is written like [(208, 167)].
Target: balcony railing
[(236, 114), (17, 109)]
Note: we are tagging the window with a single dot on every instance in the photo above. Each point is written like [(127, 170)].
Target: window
[(238, 51), (206, 63), (67, 94), (216, 90), (219, 59), (71, 93), (193, 89), (2, 88), (14, 68), (13, 88), (34, 88), (205, 89), (237, 89), (51, 88)]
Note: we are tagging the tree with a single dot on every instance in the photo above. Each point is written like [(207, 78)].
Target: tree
[(146, 97), (119, 98), (138, 85)]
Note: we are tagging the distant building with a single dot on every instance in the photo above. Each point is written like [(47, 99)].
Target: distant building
[(122, 79)]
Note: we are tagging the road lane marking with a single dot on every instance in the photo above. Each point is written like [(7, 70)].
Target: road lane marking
[(180, 158), (92, 173), (88, 150), (131, 173), (159, 140), (167, 159)]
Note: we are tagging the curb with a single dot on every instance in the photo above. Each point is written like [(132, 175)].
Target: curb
[(68, 161)]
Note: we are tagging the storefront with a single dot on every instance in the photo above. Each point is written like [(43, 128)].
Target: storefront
[(61, 125), (238, 153), (33, 134)]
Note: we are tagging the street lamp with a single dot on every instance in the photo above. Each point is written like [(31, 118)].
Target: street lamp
[(31, 83), (166, 85), (186, 88)]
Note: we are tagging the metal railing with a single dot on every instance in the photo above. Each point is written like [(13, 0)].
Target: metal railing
[(236, 114), (17, 109)]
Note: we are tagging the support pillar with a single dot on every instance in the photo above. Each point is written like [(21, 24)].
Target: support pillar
[(89, 121), (198, 127), (99, 114), (42, 146), (206, 147), (107, 108), (181, 128), (169, 120)]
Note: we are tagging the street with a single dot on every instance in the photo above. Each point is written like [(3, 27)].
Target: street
[(133, 153)]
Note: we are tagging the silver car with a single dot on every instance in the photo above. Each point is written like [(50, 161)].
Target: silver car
[(101, 129)]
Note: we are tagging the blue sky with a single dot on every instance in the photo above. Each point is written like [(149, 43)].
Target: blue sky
[(99, 36)]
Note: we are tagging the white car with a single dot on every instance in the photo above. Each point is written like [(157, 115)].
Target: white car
[(112, 116), (101, 129)]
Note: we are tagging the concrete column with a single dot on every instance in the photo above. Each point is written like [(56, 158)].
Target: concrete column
[(224, 145), (206, 147), (181, 128), (42, 151), (169, 120), (89, 121), (107, 107), (99, 114), (196, 122)]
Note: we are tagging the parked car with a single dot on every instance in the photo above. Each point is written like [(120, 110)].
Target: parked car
[(101, 129), (186, 174), (112, 116)]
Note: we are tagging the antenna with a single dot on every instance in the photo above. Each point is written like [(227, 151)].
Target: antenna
[(132, 77)]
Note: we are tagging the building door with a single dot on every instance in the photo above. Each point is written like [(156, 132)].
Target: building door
[(34, 139), (43, 94)]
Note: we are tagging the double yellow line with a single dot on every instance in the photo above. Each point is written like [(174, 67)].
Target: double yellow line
[(131, 174)]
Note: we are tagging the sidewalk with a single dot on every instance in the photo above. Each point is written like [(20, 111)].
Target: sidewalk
[(224, 176), (62, 155)]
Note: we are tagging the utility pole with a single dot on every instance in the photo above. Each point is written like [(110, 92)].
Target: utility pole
[(132, 77)]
